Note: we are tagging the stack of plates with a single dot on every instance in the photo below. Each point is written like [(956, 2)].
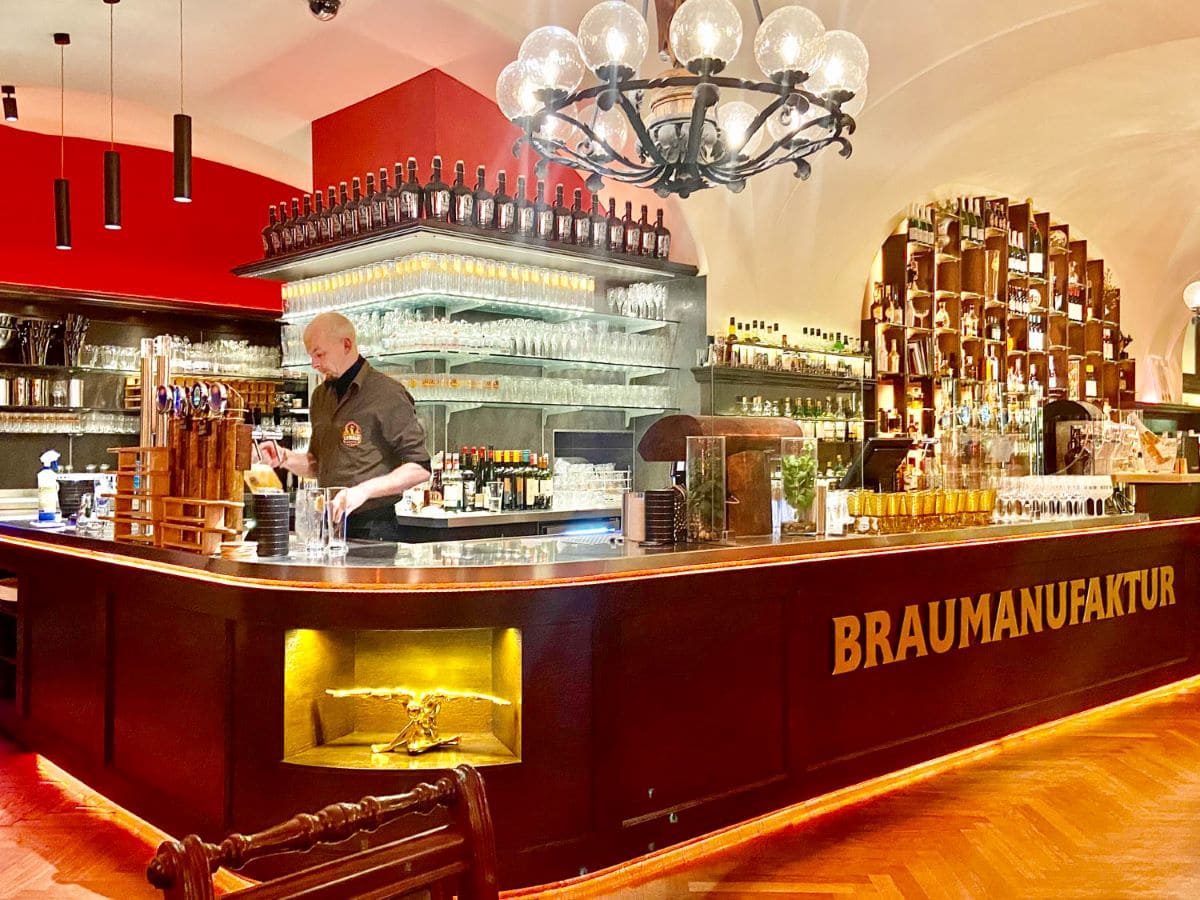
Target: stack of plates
[(271, 524), (660, 517)]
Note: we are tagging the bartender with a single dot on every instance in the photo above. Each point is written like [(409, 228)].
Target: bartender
[(365, 433)]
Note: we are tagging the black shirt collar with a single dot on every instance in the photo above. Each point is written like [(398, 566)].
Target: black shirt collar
[(341, 384)]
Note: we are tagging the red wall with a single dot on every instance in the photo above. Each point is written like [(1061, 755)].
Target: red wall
[(428, 115), (168, 250)]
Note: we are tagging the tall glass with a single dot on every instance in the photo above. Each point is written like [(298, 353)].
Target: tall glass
[(335, 525), (310, 520)]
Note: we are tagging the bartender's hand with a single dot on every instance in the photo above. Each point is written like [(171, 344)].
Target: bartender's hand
[(347, 501)]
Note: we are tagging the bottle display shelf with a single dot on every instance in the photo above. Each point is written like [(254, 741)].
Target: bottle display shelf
[(401, 240)]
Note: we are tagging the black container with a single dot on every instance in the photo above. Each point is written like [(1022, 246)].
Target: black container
[(660, 517)]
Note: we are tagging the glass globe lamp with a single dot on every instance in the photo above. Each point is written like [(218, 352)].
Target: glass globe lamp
[(554, 59), (553, 128), (735, 119), (855, 105), (791, 39), (706, 30), (516, 94), (613, 37), (1191, 297), (610, 126), (843, 67)]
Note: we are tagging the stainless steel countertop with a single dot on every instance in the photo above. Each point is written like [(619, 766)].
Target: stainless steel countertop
[(521, 517), (519, 562)]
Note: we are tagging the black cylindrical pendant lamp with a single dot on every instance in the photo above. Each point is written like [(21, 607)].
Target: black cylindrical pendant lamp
[(62, 214), (112, 190), (10, 102), (183, 158)]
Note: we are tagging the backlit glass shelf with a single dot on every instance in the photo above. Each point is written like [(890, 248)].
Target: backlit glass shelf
[(467, 357)]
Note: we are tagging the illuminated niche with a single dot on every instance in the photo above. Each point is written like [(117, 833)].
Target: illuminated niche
[(363, 699)]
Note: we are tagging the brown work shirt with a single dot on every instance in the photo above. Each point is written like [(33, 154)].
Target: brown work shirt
[(370, 431)]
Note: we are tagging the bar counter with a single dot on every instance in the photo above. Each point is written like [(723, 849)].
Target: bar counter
[(616, 698)]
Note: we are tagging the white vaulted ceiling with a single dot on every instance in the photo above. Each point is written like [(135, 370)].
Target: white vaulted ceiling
[(1091, 107)]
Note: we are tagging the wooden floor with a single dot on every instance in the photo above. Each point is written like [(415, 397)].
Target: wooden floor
[(1106, 807)]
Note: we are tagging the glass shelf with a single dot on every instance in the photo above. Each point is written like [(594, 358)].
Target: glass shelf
[(792, 349), (467, 357), (550, 409), (704, 374), (455, 305), (402, 240)]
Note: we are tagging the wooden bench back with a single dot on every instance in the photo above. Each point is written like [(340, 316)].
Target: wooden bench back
[(458, 859)]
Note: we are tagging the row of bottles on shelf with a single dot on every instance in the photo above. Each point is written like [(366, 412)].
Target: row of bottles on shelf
[(1029, 262), (478, 479), (975, 216), (320, 219), (826, 420)]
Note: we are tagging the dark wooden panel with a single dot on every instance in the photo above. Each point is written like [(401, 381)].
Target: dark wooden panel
[(871, 720), (171, 677), (65, 656), (699, 703)]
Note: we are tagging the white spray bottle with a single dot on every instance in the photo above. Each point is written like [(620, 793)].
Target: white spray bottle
[(47, 487)]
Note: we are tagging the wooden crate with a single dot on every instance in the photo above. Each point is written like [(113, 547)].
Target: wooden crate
[(143, 480), (198, 525)]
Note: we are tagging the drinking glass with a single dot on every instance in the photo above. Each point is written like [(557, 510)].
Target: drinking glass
[(495, 496), (335, 526), (310, 520)]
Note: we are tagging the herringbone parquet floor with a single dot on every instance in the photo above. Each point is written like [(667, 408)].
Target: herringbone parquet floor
[(1108, 807)]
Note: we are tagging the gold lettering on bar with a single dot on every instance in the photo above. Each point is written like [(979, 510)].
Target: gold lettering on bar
[(872, 639)]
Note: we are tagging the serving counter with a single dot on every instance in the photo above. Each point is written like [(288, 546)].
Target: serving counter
[(616, 699)]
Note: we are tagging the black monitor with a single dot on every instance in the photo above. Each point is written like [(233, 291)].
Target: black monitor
[(875, 467)]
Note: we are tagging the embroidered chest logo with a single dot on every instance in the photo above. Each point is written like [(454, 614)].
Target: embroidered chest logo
[(351, 434)]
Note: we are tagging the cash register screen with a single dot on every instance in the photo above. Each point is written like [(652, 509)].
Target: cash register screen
[(875, 467)]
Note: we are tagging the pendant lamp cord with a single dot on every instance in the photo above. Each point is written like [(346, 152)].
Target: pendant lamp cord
[(62, 112), (112, 130), (181, 55)]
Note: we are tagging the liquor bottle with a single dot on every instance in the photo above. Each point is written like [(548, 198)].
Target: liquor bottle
[(648, 236), (411, 201), (518, 476), (633, 234), (1090, 388), (358, 223), (484, 200), (941, 319), (437, 194), (346, 214), (299, 232), (309, 224), (563, 227), (452, 484), (599, 226), (381, 203), (533, 482), (543, 215), (893, 358), (366, 205), (271, 240), (392, 198), (321, 219), (1037, 256), (506, 207), (662, 238), (504, 472), (616, 229), (1035, 383), (333, 215), (581, 222), (525, 222), (437, 482), (468, 478), (546, 489), (1074, 295), (462, 201), (1052, 377)]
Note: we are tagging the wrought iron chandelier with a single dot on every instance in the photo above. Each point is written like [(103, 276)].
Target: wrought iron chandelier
[(688, 133)]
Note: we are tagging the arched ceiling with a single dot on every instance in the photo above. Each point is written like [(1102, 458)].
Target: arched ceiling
[(1088, 106)]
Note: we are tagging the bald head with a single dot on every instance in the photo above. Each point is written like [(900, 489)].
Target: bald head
[(331, 344)]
